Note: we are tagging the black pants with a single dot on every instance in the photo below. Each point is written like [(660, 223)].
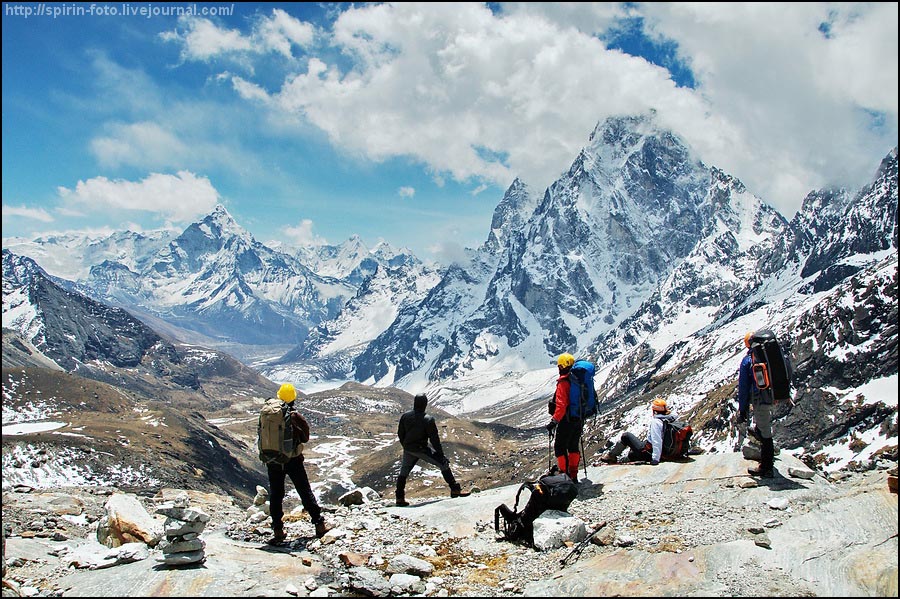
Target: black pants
[(568, 436), (297, 472), (411, 458), (638, 448)]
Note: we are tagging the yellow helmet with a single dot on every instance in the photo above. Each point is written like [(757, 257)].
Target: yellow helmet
[(287, 393), (565, 360), (659, 405), (747, 338)]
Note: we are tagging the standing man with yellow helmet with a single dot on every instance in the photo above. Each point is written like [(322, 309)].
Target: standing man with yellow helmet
[(568, 428), (291, 464)]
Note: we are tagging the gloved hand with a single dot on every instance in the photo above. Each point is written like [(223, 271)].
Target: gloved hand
[(654, 462), (551, 426)]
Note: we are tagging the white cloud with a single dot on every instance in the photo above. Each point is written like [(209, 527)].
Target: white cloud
[(794, 99), (473, 94), (406, 192), (203, 40), (145, 143), (449, 252), (302, 234), (249, 90), (26, 212), (178, 198), (454, 85)]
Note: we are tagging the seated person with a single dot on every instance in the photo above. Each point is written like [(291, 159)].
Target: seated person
[(644, 450)]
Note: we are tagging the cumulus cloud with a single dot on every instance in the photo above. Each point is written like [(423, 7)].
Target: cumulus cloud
[(203, 40), (471, 94), (789, 97), (26, 212), (302, 234), (178, 198), (808, 91), (406, 192)]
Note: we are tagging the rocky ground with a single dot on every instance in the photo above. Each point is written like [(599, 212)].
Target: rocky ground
[(673, 518)]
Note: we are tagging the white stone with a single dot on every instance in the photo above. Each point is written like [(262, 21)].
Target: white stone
[(257, 518), (553, 528), (803, 473), (778, 503)]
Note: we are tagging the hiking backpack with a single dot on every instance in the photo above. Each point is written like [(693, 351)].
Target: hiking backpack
[(771, 369), (552, 491), (676, 438), (582, 396), (276, 435)]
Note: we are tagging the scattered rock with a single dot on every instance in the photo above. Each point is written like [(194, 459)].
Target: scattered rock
[(803, 473), (553, 529), (779, 503)]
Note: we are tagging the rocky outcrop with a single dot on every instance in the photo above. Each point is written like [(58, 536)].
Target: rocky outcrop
[(697, 527), (127, 521)]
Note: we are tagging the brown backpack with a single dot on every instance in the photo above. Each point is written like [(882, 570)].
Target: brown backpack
[(277, 443)]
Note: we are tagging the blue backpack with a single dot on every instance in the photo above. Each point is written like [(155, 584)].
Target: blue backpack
[(582, 396)]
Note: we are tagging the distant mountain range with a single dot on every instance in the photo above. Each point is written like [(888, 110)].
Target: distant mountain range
[(639, 257)]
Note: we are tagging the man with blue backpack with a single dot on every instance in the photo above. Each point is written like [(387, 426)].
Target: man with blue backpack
[(573, 401)]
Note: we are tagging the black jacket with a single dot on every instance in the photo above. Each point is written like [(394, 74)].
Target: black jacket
[(417, 428)]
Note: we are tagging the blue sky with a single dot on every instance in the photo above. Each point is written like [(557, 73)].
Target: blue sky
[(313, 122)]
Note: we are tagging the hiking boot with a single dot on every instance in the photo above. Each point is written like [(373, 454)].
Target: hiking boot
[(401, 492), (322, 527), (761, 471), (458, 492), (278, 538)]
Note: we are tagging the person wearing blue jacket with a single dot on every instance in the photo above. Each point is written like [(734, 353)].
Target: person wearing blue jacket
[(644, 449), (763, 402)]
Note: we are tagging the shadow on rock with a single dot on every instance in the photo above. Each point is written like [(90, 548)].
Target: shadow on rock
[(588, 489)]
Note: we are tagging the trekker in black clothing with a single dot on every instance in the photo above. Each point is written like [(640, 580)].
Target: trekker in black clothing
[(415, 431), (296, 471)]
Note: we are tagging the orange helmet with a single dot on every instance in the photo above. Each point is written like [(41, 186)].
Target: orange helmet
[(565, 360), (659, 405), (747, 338)]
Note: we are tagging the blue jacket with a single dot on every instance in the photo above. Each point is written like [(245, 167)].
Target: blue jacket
[(746, 383), (748, 392)]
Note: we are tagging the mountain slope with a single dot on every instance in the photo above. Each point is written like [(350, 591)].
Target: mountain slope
[(636, 215)]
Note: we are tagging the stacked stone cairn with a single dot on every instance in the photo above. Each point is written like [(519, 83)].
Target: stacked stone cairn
[(182, 545), (258, 513)]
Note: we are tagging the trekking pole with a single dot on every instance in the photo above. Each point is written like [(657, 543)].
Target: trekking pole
[(549, 450), (583, 456), (577, 549)]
